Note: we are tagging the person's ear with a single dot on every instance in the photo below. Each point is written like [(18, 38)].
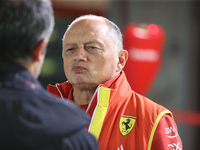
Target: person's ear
[(40, 50), (122, 56)]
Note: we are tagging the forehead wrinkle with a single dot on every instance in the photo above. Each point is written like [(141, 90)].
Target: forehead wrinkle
[(69, 44), (92, 24), (95, 26), (69, 41)]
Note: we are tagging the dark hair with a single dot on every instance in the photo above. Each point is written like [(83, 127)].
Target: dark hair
[(23, 23)]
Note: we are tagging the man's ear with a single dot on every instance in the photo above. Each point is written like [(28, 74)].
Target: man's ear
[(122, 56), (40, 50)]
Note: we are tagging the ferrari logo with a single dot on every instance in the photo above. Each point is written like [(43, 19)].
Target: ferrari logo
[(126, 124)]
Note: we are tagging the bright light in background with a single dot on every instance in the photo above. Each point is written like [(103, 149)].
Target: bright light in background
[(140, 33), (153, 29)]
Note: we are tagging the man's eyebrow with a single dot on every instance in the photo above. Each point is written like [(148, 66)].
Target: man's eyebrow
[(87, 42), (94, 41), (69, 44)]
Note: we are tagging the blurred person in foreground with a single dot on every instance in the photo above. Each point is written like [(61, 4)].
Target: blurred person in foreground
[(30, 117), (93, 58)]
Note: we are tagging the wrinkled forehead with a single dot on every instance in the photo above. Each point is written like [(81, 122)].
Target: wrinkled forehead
[(89, 21), (84, 25)]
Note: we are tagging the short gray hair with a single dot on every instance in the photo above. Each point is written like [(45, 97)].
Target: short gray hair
[(115, 32)]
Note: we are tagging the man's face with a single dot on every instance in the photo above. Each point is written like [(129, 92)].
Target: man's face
[(89, 56)]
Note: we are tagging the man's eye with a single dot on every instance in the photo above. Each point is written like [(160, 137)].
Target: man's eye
[(70, 49), (93, 47)]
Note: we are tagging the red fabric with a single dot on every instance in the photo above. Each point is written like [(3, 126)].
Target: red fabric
[(125, 102), (166, 135)]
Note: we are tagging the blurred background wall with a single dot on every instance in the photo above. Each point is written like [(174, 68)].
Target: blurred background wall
[(177, 84)]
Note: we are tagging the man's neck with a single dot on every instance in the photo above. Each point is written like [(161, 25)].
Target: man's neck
[(82, 97), (83, 94)]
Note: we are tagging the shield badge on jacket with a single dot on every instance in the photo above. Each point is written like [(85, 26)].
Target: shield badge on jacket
[(126, 124)]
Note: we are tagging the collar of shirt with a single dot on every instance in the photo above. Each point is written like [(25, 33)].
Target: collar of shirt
[(107, 84)]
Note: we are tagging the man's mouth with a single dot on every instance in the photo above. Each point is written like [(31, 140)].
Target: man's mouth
[(78, 69)]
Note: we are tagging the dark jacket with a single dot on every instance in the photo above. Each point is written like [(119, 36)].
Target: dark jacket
[(33, 119)]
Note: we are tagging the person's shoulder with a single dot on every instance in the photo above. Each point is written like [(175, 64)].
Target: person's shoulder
[(56, 103), (55, 111), (81, 139), (40, 116), (73, 121), (145, 99), (148, 105), (166, 135)]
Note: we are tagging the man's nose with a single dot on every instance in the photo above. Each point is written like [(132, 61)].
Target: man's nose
[(80, 54)]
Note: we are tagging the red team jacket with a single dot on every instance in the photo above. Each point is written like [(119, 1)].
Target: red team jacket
[(121, 119)]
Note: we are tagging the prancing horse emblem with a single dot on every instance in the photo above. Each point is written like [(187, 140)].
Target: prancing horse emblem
[(126, 124)]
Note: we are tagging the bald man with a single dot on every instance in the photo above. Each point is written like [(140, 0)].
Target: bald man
[(121, 119)]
